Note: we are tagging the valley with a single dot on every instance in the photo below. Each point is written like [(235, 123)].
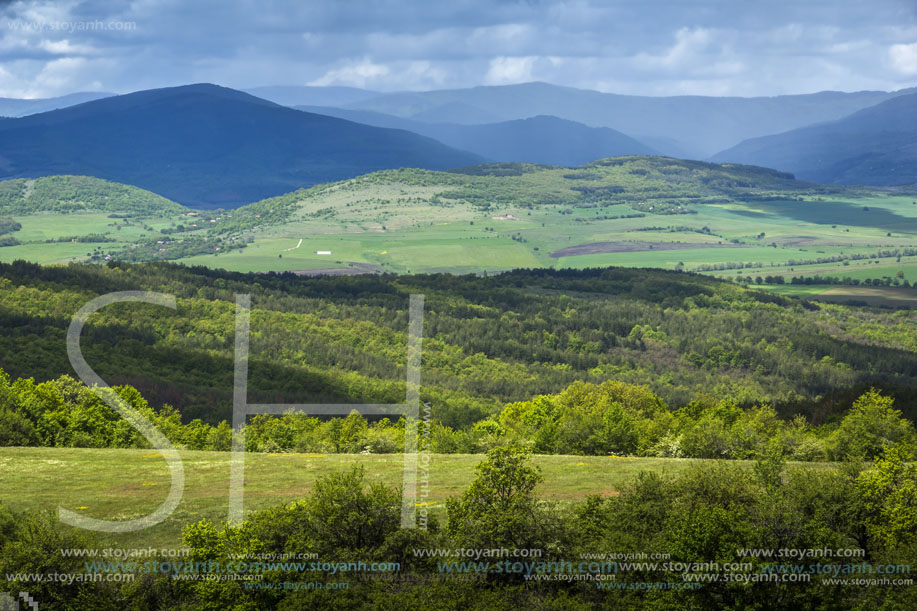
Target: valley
[(554, 306), (734, 222)]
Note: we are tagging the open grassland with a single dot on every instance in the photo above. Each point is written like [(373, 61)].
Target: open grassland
[(512, 237), (869, 295), (654, 212), (117, 484)]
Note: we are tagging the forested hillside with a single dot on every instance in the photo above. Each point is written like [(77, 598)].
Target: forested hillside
[(874, 146), (74, 194), (488, 341)]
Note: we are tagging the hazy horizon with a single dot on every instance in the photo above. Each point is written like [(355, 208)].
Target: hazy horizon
[(250, 88)]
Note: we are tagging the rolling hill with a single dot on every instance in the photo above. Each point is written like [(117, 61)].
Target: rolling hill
[(697, 125), (541, 139), (875, 146), (208, 146), (79, 194), (747, 223)]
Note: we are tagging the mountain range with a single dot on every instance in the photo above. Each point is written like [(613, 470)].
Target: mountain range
[(208, 146), (685, 126), (541, 139), (874, 146), (18, 107), (681, 126)]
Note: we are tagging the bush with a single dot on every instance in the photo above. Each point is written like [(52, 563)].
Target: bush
[(499, 508), (870, 426), (15, 429), (344, 520), (32, 543)]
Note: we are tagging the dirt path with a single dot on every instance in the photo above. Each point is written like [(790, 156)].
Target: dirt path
[(295, 247)]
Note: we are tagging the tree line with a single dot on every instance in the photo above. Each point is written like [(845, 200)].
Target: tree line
[(613, 418)]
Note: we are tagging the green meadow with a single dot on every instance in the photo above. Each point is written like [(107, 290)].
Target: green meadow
[(873, 296), (723, 220), (118, 484)]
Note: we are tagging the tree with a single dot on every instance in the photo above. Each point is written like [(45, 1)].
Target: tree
[(499, 508), (344, 519), (870, 426), (769, 467), (889, 493), (33, 543), (353, 432), (619, 435)]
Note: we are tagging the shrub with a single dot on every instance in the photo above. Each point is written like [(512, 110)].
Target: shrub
[(870, 426)]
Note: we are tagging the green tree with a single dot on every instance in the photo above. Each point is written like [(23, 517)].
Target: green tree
[(33, 543), (353, 432), (871, 425), (345, 519), (889, 493), (499, 508)]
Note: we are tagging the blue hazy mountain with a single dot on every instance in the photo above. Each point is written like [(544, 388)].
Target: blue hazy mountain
[(204, 145), (874, 146), (698, 126), (293, 95), (540, 139), (15, 107)]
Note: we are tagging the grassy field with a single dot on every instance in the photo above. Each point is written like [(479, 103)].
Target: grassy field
[(464, 239), (124, 484), (874, 296), (637, 212), (40, 232)]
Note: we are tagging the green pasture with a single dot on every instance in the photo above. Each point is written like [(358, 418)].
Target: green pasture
[(421, 221), (870, 295), (116, 484)]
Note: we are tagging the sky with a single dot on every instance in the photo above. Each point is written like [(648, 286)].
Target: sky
[(639, 47)]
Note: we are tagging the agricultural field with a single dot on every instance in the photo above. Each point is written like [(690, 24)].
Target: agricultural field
[(729, 221), (860, 295)]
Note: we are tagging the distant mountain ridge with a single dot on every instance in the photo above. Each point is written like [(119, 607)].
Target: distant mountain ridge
[(20, 107), (679, 126), (698, 125), (208, 146), (874, 146), (542, 139), (293, 95)]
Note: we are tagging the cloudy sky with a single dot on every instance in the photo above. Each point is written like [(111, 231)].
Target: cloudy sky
[(647, 47)]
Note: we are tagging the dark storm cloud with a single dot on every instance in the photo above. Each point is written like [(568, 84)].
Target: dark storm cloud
[(656, 47)]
